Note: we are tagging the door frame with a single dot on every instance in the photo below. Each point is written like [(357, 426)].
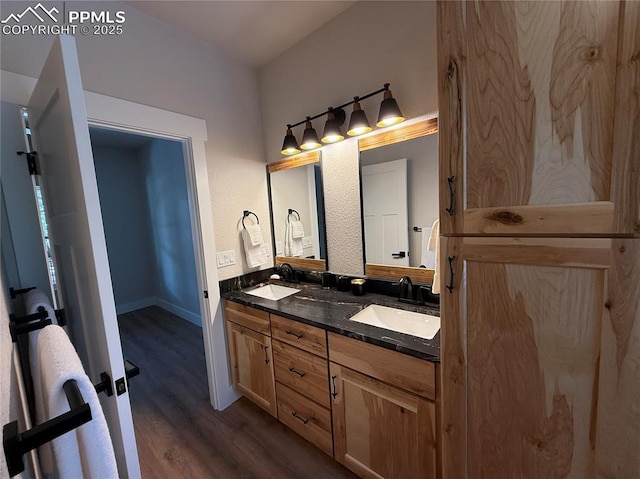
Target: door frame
[(126, 116)]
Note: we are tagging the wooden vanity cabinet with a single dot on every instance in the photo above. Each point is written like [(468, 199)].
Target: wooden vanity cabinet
[(251, 355), (371, 408), (382, 427), (302, 381)]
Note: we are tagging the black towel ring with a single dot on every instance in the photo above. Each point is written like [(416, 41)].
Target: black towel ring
[(247, 213), (292, 211)]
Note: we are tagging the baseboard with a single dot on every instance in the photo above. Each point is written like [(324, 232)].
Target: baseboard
[(178, 311), (135, 305)]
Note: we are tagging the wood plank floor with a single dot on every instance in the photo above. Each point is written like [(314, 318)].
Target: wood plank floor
[(178, 433)]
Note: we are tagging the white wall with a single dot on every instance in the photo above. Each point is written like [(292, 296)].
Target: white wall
[(370, 44), (145, 211), (154, 64), (125, 216), (165, 187)]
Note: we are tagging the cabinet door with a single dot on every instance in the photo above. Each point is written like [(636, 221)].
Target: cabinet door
[(379, 430), (540, 339), (529, 94), (252, 366)]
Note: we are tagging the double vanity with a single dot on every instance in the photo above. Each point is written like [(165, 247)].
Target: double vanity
[(337, 370)]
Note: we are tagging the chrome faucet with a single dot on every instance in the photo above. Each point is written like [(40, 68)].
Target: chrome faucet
[(406, 288)]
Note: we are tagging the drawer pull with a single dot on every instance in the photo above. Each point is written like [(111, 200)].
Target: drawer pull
[(266, 355), (297, 416), (335, 390), (293, 370), (299, 336)]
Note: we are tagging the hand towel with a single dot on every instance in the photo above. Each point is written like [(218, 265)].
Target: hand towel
[(36, 298), (256, 255), (434, 245), (427, 257), (292, 246), (255, 234), (87, 451), (297, 231)]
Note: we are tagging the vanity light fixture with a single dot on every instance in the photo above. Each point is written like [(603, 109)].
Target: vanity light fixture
[(290, 144), (310, 137), (389, 114), (332, 132), (358, 124)]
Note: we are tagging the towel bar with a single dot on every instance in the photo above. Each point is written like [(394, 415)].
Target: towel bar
[(17, 443), (292, 211), (15, 292), (25, 324), (246, 213)]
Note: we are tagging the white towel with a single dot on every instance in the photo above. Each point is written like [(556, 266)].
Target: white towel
[(297, 231), (256, 255), (292, 246), (36, 298), (427, 257), (87, 451), (33, 300), (255, 234), (434, 245)]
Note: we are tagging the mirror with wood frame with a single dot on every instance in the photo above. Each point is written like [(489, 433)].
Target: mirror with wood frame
[(399, 200), (297, 212)]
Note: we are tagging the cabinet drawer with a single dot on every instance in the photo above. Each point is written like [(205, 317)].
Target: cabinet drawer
[(406, 372), (302, 372), (300, 335), (310, 420), (249, 317)]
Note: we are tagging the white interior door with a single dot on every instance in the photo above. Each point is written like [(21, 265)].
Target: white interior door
[(60, 130), (384, 212)]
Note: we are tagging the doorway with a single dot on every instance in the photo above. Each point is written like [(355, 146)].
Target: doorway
[(144, 199)]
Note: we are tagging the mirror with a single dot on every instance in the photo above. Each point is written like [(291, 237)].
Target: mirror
[(297, 212), (399, 181)]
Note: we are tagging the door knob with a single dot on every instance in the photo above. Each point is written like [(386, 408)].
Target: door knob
[(399, 254)]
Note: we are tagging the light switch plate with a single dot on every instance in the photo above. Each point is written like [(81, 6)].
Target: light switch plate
[(307, 242), (226, 258)]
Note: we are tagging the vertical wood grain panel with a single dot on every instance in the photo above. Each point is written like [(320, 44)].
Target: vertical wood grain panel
[(453, 378), (618, 431), (451, 66), (533, 349), (381, 431), (626, 139), (501, 111), (252, 366), (541, 79)]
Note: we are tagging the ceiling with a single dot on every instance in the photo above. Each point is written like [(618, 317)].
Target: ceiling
[(254, 32)]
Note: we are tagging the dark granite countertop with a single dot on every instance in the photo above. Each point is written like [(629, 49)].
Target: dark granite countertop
[(330, 309)]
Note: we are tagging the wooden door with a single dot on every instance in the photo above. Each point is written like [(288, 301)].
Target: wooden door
[(529, 93), (385, 213), (380, 431), (532, 326), (252, 366), (58, 121)]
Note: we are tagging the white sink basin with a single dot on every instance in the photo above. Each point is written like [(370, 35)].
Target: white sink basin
[(272, 291), (416, 324)]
